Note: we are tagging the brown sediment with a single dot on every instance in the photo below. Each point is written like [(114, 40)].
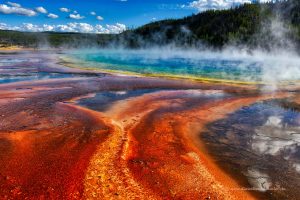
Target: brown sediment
[(296, 99)]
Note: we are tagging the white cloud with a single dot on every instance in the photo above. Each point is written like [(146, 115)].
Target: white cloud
[(202, 5), (69, 27), (14, 4), (76, 16), (93, 13), (3, 26), (48, 27), (30, 27), (41, 10), (65, 10), (117, 28), (64, 28), (99, 18), (101, 29), (5, 9), (53, 16), (76, 27)]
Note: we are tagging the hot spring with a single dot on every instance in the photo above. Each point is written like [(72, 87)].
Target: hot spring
[(257, 67)]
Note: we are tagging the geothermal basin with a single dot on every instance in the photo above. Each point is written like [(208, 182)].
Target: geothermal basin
[(113, 125)]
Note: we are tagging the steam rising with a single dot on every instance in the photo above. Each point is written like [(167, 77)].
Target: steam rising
[(273, 61), (271, 68)]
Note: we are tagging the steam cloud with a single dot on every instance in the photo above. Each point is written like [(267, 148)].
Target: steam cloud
[(274, 68)]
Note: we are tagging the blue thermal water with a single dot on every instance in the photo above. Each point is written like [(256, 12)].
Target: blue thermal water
[(149, 63), (33, 76)]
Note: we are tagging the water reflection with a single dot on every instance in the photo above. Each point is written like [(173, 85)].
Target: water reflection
[(103, 100), (276, 137), (260, 146), (258, 180)]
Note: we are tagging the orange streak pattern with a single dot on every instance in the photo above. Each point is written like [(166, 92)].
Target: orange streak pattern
[(145, 147), (50, 162), (152, 153)]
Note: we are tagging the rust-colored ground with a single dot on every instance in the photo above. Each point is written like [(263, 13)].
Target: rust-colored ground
[(156, 150), (144, 147)]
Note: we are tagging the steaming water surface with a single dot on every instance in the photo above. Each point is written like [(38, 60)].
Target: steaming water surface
[(229, 66)]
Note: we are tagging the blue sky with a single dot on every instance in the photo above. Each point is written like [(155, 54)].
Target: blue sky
[(107, 15)]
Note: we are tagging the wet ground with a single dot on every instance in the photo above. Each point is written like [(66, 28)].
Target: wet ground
[(103, 100), (73, 134), (25, 66), (11, 78), (261, 144)]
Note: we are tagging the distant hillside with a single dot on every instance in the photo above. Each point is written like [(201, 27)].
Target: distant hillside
[(52, 39), (253, 25), (250, 24)]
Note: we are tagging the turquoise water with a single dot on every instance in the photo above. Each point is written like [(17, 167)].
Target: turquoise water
[(189, 63)]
